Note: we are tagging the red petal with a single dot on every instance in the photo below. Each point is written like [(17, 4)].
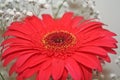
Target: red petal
[(35, 23), (41, 67), (88, 60), (93, 50), (9, 58), (66, 19), (17, 41), (108, 33), (44, 74), (64, 75), (57, 68), (18, 26), (73, 69), (87, 73), (107, 58), (16, 50), (110, 39), (17, 34), (110, 50), (90, 38), (101, 44), (21, 27), (76, 21), (19, 78), (28, 72), (12, 69), (22, 59), (33, 61), (89, 26), (47, 19), (46, 64), (49, 22)]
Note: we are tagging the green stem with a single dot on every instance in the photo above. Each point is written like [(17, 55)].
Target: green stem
[(2, 76), (59, 8)]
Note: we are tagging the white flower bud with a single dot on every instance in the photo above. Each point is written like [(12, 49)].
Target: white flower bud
[(24, 11), (102, 76), (9, 0), (113, 76), (1, 11), (117, 61), (42, 1), (18, 13), (29, 13), (46, 6), (11, 12), (30, 0), (65, 4), (7, 18), (119, 57)]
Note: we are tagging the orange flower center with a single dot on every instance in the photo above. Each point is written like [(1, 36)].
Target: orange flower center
[(58, 40)]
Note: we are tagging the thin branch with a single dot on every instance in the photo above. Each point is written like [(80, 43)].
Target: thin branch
[(59, 8), (2, 77)]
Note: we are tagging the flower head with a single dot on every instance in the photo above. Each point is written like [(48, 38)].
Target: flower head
[(56, 48)]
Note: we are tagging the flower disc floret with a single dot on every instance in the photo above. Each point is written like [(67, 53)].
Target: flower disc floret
[(58, 40)]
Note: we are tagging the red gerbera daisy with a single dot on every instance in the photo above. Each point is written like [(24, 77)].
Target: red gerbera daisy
[(56, 48)]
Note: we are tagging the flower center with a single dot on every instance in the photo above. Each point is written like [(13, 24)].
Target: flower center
[(58, 40)]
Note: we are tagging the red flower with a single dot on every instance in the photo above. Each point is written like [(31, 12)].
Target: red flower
[(54, 48)]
